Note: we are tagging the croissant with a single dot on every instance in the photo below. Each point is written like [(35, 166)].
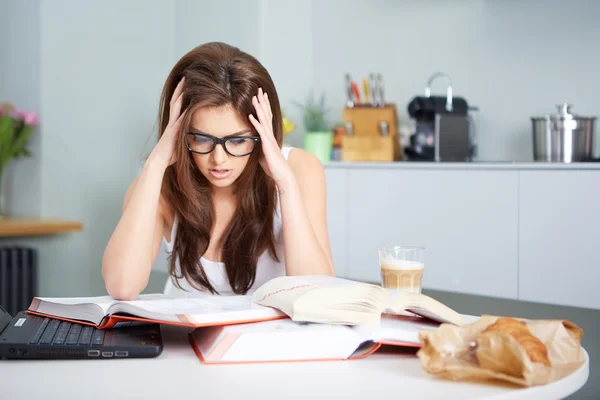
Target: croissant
[(535, 349)]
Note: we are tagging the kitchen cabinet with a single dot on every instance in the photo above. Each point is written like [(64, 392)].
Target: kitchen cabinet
[(466, 219), (337, 188), (511, 230), (559, 249)]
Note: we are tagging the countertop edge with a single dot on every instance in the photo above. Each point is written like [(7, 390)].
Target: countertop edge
[(545, 166)]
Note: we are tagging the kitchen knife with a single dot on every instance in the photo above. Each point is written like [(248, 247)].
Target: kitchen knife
[(374, 90), (366, 90), (356, 93), (350, 101), (380, 90)]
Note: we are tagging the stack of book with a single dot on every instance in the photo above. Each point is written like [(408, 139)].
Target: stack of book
[(290, 318)]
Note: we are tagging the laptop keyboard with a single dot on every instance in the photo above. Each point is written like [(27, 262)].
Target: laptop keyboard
[(53, 331)]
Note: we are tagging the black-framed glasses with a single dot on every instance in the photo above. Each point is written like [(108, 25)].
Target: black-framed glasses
[(236, 146)]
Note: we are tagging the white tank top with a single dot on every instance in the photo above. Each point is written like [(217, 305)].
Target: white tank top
[(266, 267)]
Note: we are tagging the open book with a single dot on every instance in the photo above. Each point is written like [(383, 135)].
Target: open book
[(302, 298), (286, 340), (334, 300), (201, 310)]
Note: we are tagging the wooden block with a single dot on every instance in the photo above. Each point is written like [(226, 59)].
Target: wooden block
[(370, 148), (365, 119)]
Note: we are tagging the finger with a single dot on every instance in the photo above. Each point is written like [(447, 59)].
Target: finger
[(259, 128), (178, 122), (264, 136), (264, 103), (178, 90), (266, 126), (268, 103), (174, 129), (267, 140), (259, 111), (176, 109)]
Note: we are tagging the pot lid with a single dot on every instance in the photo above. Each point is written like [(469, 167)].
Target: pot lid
[(563, 113)]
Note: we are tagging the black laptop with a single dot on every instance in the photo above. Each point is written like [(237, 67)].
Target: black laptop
[(29, 336)]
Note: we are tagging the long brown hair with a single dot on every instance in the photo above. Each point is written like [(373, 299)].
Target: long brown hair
[(216, 75)]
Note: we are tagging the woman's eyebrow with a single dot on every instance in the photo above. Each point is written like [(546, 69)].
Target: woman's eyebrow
[(194, 130)]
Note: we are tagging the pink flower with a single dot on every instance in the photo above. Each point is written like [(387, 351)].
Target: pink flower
[(18, 114), (5, 108), (31, 119)]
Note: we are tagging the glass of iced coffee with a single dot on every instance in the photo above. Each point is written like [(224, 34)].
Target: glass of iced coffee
[(402, 267)]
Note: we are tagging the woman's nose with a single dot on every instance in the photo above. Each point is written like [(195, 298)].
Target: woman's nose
[(219, 154)]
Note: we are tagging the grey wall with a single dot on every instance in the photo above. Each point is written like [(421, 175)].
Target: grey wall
[(95, 69), (98, 69), (20, 84), (230, 21), (103, 68), (513, 59)]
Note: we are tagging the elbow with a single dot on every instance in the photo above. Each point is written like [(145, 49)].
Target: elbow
[(121, 292), (120, 289)]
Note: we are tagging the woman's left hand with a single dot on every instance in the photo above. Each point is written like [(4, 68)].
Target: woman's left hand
[(273, 161)]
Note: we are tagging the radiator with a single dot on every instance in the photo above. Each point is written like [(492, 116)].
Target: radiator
[(18, 277)]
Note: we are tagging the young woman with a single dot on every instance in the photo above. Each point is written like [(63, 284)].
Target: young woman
[(233, 207)]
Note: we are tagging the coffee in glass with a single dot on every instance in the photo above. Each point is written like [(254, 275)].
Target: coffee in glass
[(402, 268)]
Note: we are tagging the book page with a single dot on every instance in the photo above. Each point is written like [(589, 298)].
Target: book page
[(81, 303), (199, 309), (282, 340), (104, 302), (90, 309), (282, 292), (402, 330), (424, 306)]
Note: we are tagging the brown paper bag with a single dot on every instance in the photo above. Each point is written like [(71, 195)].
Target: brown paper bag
[(464, 353)]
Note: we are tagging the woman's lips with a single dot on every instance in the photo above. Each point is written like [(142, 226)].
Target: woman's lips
[(220, 173)]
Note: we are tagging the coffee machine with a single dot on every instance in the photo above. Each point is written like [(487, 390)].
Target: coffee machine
[(444, 126)]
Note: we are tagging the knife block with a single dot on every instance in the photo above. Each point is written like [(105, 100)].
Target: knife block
[(366, 142), (369, 148)]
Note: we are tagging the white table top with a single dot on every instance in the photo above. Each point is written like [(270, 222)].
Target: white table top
[(178, 374)]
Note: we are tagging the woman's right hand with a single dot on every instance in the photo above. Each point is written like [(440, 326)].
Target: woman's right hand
[(165, 148)]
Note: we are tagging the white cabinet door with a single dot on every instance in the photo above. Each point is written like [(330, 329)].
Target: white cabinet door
[(336, 216), (467, 220), (559, 248)]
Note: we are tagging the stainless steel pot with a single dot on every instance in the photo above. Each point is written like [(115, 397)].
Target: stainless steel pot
[(563, 137)]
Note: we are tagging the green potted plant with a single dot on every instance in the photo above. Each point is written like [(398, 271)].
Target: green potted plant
[(318, 138)]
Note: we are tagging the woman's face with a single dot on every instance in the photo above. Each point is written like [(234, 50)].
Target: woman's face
[(219, 167)]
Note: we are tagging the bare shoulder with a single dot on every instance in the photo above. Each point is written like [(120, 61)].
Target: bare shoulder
[(306, 166)]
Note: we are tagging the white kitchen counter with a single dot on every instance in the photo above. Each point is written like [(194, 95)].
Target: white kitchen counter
[(476, 165)]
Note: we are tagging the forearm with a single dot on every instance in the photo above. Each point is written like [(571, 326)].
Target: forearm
[(128, 257), (304, 255)]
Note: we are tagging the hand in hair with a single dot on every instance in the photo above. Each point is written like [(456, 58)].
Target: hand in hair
[(273, 161), (165, 148)]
